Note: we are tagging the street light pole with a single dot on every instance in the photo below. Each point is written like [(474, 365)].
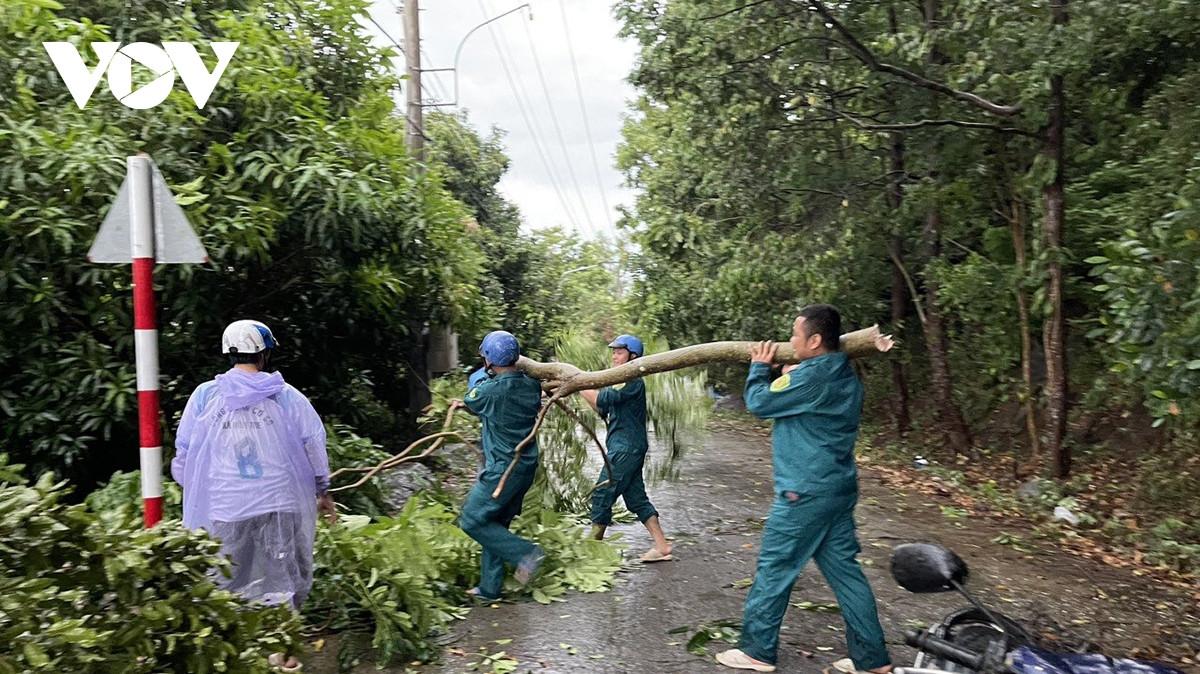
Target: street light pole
[(458, 51)]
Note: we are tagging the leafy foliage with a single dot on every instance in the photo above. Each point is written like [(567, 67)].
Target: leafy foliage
[(294, 177), (404, 578), (122, 496), (760, 127), (82, 591)]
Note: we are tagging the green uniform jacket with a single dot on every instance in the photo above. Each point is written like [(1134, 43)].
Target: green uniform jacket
[(817, 408), (508, 405), (623, 408)]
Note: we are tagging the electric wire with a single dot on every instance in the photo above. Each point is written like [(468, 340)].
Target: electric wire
[(587, 127), (518, 89), (537, 62)]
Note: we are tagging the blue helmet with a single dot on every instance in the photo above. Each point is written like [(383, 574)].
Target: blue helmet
[(629, 342), (500, 348)]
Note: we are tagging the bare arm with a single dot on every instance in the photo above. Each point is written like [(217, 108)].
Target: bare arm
[(590, 396)]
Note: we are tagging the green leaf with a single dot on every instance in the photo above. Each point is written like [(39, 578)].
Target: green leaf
[(697, 645)]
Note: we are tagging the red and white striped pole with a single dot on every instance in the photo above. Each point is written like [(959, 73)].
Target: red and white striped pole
[(146, 226), (145, 334)]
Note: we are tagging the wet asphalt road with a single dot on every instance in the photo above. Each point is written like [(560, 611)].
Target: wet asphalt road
[(714, 514)]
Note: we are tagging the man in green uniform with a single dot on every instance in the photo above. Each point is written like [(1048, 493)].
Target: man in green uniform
[(623, 408), (507, 403), (816, 407)]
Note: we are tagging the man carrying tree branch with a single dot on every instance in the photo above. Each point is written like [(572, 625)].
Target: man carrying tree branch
[(623, 408), (817, 408), (507, 402)]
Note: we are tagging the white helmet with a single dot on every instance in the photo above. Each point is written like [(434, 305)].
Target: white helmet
[(247, 337)]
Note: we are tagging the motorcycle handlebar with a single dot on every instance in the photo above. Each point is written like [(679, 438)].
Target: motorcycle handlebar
[(940, 647)]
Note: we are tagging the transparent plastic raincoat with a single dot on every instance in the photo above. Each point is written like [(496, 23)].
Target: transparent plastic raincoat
[(250, 456)]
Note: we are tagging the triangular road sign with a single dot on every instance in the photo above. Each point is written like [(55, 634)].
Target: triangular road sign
[(174, 239)]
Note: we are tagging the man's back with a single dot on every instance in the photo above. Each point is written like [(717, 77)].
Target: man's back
[(247, 444), (817, 409), (508, 405)]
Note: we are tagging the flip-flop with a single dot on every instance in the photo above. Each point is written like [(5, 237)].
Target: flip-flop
[(475, 594), (655, 556), (736, 659), (846, 666), (529, 567)]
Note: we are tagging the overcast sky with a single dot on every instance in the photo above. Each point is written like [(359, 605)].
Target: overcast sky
[(603, 61)]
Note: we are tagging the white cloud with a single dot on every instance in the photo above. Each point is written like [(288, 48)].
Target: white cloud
[(603, 61)]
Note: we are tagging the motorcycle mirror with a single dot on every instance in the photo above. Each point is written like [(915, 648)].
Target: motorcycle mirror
[(927, 567)]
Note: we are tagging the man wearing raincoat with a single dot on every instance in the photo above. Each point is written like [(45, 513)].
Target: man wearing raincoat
[(250, 456)]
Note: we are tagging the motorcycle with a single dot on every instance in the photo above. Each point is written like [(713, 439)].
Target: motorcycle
[(981, 640)]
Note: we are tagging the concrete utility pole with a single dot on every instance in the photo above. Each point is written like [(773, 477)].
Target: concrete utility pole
[(414, 139), (414, 135)]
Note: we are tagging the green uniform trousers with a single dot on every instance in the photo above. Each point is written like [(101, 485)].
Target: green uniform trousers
[(627, 483), (820, 528), (486, 520)]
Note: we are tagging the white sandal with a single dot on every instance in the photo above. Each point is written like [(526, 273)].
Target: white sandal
[(655, 556), (736, 659), (846, 666)]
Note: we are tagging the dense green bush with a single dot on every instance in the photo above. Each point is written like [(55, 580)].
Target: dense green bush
[(122, 494), (82, 592), (294, 177)]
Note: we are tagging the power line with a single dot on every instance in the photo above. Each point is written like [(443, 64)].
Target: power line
[(396, 44), (587, 127), (500, 41), (384, 31), (517, 89), (433, 77), (537, 62), (471, 158)]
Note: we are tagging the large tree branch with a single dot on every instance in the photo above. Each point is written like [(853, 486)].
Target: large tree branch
[(735, 10), (908, 126), (868, 58), (570, 379), (566, 379)]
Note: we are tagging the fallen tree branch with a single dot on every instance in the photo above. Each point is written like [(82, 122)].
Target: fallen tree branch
[(857, 344), (567, 379), (386, 463), (865, 342), (403, 457)]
